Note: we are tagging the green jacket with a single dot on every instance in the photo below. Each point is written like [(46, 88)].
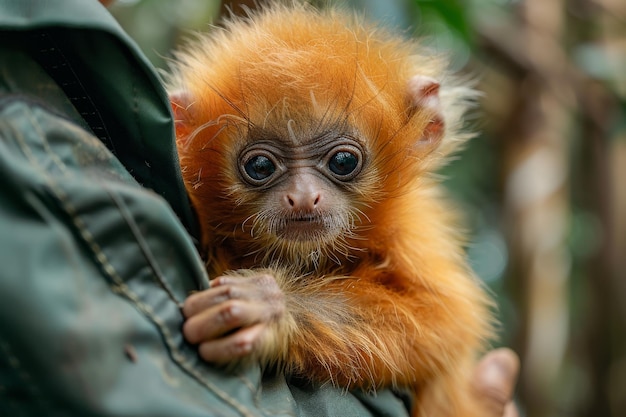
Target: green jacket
[(96, 253)]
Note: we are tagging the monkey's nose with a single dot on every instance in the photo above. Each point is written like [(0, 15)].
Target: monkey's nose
[(302, 201)]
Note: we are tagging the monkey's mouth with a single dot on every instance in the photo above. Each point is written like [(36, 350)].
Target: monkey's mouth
[(304, 228), (306, 218)]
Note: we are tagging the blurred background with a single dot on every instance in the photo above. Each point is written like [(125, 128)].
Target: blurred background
[(540, 185)]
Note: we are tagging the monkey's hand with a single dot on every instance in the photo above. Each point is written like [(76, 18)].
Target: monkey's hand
[(238, 317)]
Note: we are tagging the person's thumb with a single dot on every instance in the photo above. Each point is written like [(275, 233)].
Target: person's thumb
[(495, 378)]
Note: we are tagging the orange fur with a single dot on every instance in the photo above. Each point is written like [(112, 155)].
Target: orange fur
[(393, 303)]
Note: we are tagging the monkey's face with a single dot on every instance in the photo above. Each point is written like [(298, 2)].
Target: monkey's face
[(302, 191), (298, 194), (280, 174)]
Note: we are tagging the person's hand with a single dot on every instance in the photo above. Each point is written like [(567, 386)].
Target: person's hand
[(494, 382), (232, 317)]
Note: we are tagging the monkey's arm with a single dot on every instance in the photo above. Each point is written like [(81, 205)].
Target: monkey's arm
[(351, 331), (366, 333), (385, 329)]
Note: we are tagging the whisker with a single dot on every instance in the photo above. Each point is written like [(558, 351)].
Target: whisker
[(231, 104)]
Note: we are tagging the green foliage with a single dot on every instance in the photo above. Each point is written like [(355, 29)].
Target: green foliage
[(453, 13)]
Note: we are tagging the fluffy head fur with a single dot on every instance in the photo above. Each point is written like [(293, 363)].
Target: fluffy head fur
[(295, 72)]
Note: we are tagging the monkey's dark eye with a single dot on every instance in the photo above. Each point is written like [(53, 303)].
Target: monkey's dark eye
[(344, 164), (259, 167)]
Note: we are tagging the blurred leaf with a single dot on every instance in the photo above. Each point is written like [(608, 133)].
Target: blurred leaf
[(453, 13)]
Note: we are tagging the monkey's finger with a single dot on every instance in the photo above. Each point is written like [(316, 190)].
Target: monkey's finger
[(228, 280), (256, 286), (200, 301), (231, 347), (260, 288), (219, 320), (494, 380)]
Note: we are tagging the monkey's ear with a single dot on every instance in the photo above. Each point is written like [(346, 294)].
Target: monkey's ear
[(181, 102), (423, 93)]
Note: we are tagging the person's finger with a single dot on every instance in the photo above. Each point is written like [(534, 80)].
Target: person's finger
[(511, 410), (232, 347), (494, 380), (221, 319)]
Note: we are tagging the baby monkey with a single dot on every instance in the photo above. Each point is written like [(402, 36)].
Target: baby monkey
[(308, 141)]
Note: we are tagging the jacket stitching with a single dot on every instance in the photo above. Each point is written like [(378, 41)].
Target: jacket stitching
[(143, 245)]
